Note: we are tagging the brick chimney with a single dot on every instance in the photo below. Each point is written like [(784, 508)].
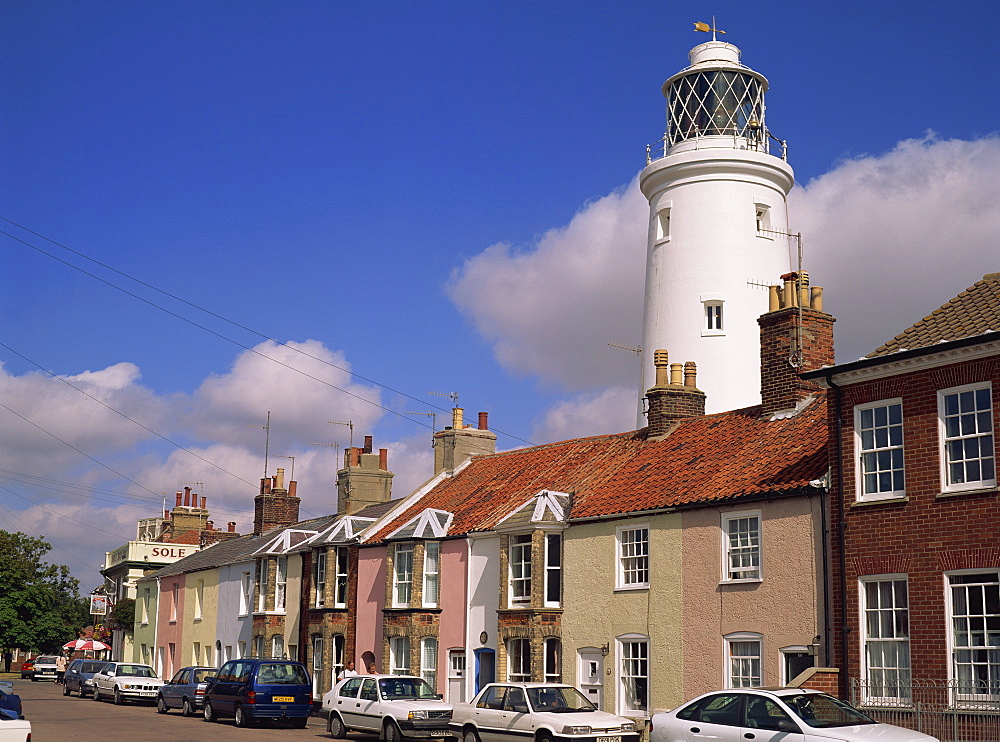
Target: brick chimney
[(674, 397), (365, 479), (275, 506), (796, 335), (455, 444)]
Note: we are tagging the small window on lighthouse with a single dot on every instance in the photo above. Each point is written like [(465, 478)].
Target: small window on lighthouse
[(713, 315), (662, 225), (763, 219)]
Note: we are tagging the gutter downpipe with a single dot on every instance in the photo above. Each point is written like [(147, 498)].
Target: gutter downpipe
[(838, 395)]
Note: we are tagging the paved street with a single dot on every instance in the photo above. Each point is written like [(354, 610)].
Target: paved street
[(54, 717)]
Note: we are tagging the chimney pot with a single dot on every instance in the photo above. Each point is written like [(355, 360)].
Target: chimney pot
[(231, 526), (292, 487), (368, 444), (482, 421), (691, 374), (383, 459), (208, 525), (180, 498), (816, 302), (676, 374), (456, 417), (660, 361), (204, 503)]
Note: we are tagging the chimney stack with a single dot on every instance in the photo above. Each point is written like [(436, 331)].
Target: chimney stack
[(796, 335), (454, 445), (674, 397)]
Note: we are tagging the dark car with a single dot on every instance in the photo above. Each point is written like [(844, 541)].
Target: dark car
[(10, 701), (185, 690), (257, 689), (80, 676), (28, 669)]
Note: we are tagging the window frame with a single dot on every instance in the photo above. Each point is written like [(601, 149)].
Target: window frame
[(867, 641), (431, 575), (319, 600), (553, 571), (626, 646), (342, 566), (402, 581), (429, 671), (246, 593), (620, 558), (744, 637), (944, 439), (859, 451), (519, 553), (960, 697), (552, 660), (263, 568), (661, 223), (728, 548), (280, 583), (518, 660), (399, 649)]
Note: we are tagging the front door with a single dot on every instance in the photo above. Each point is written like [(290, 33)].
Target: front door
[(456, 676), (591, 675)]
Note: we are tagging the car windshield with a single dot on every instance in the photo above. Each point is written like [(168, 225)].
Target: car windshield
[(559, 699), (821, 711), (281, 673), (136, 671), (91, 666), (393, 688), (202, 675)]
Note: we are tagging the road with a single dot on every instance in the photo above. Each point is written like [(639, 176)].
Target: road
[(55, 717)]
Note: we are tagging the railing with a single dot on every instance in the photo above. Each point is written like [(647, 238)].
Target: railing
[(659, 150), (942, 708)]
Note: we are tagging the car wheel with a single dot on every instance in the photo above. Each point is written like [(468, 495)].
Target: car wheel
[(335, 726), (209, 713), (97, 694), (470, 736), (65, 690), (392, 733), (118, 698), (161, 705), (300, 722), (241, 717), (186, 708)]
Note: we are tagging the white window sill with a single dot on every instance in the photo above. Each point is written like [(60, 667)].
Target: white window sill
[(874, 500), (742, 581), (713, 333), (973, 488), (626, 588)]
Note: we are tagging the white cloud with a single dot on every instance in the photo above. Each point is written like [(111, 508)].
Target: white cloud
[(550, 308), (892, 237), (610, 410)]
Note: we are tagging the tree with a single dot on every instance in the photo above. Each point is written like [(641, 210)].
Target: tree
[(123, 615), (40, 603)]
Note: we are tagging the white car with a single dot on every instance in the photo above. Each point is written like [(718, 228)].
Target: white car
[(14, 730), (393, 706), (126, 681), (786, 714), (505, 712)]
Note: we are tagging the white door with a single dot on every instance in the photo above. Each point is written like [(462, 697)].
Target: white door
[(456, 676), (591, 675)]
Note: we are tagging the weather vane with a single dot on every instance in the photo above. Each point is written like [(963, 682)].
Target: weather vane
[(699, 26)]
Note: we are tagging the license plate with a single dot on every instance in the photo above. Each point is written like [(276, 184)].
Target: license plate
[(282, 699), (147, 693), (609, 739), (441, 733)]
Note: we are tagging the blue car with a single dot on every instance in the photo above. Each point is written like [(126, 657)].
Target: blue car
[(252, 690), (10, 702), (185, 690), (80, 676)]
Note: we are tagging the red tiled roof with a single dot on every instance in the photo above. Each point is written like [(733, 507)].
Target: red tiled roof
[(706, 459)]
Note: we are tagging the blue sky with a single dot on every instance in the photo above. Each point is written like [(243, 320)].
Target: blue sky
[(438, 196)]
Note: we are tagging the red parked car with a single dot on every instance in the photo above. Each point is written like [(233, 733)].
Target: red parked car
[(28, 669)]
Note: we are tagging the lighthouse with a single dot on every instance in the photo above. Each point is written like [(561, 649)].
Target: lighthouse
[(717, 186)]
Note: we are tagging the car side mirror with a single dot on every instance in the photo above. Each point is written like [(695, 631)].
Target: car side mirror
[(787, 725)]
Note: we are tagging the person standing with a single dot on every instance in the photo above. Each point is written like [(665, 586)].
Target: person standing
[(348, 671), (7, 657), (60, 669)]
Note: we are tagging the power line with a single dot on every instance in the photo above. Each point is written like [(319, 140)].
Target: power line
[(222, 318)]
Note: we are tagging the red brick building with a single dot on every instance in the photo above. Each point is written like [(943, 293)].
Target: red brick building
[(915, 513)]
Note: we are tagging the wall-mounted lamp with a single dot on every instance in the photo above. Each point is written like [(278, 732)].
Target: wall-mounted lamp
[(814, 647), (606, 650)]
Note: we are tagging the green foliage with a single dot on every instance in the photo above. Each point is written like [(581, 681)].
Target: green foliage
[(40, 604), (123, 615)]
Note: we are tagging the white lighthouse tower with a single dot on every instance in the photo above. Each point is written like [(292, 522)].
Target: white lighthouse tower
[(717, 187)]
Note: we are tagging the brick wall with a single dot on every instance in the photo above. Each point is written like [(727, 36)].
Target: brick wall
[(922, 536), (781, 387)]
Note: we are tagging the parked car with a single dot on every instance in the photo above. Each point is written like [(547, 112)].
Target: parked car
[(45, 667), (185, 690), (787, 714), (253, 690), (392, 706), (9, 700), (504, 712), (27, 668), (14, 730), (80, 676), (126, 681)]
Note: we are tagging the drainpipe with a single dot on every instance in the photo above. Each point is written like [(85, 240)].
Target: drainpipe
[(838, 396)]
